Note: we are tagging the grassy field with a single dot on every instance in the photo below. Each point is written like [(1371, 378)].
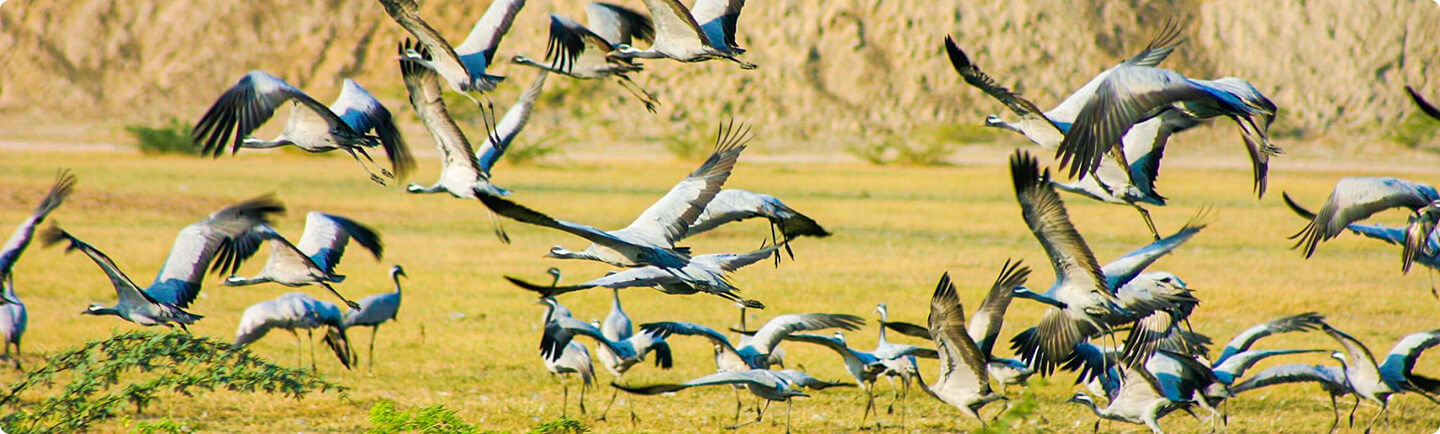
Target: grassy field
[(467, 340)]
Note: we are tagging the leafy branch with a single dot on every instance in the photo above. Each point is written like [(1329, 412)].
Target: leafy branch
[(175, 362)]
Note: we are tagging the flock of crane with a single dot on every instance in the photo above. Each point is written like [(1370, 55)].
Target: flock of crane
[(1110, 135)]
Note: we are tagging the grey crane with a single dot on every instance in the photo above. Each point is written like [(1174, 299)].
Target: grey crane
[(464, 170), (1080, 290), (963, 381), (1135, 297), (20, 239), (313, 260), (1428, 256), (313, 127), (574, 358), (1378, 383), (464, 66), (617, 327), (14, 318), (1330, 378), (731, 205), (863, 366), (764, 383), (899, 359), (1357, 198), (13, 315), (650, 239), (706, 33), (1133, 94), (1137, 395), (560, 331), (756, 351), (582, 52), (1048, 128), (294, 311), (218, 238), (707, 273), (377, 309), (1143, 145)]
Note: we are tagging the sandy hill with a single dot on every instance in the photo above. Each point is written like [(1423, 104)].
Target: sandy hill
[(832, 73)]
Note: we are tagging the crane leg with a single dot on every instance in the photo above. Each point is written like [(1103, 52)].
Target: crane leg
[(1352, 411), (738, 404), (905, 393), (633, 418), (1384, 406), (787, 415), (373, 177), (613, 394), (869, 404), (582, 399), (373, 331), (353, 305), (564, 396), (310, 336), (1145, 214), (299, 350), (1335, 422), (645, 97)]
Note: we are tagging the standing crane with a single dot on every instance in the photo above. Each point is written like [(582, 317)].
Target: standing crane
[(377, 309), (13, 315)]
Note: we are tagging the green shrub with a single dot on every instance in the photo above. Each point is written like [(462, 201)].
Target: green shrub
[(79, 386), (563, 425), (531, 150), (434, 419), (172, 138)]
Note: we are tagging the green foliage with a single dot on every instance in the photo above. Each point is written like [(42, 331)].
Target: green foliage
[(434, 419), (162, 425), (563, 425), (81, 383), (1416, 131), (927, 146), (1020, 411), (531, 150), (172, 138)]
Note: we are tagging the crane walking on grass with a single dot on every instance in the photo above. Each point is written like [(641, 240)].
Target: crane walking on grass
[(294, 311), (377, 309)]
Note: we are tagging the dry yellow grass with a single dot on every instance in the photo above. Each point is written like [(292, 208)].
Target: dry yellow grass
[(896, 230)]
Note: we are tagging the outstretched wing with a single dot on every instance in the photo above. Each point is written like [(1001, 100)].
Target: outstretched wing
[(667, 328), (1122, 270), (10, 253), (618, 24), (985, 326), (1356, 198), (426, 98), (362, 113), (962, 364), (1045, 214), (770, 335), (224, 235), (125, 289), (973, 75), (326, 236), (718, 19), (509, 126), (1425, 106), (246, 105), (668, 219), (478, 50)]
